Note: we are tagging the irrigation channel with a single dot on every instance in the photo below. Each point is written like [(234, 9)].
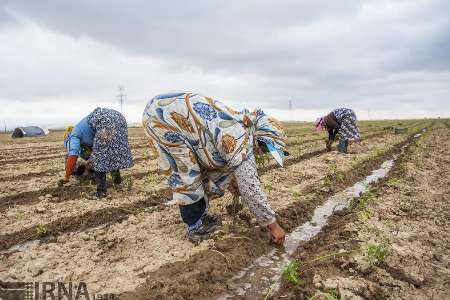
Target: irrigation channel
[(264, 275)]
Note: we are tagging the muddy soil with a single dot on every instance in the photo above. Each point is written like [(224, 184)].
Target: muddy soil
[(205, 276), (395, 248), (50, 205), (91, 241)]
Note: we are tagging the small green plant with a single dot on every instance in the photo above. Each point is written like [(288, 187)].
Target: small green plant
[(152, 177), (150, 209), (41, 230), (365, 214), (334, 175), (20, 216), (362, 204), (393, 182), (376, 253), (129, 182), (267, 187), (262, 160), (296, 194), (331, 294), (269, 293), (291, 274)]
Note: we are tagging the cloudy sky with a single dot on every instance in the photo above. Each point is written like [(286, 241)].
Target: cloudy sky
[(386, 59)]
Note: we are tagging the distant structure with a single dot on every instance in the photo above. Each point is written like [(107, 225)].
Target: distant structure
[(121, 97), (29, 131)]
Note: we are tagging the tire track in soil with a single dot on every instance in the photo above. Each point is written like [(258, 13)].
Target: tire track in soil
[(74, 192), (70, 223), (204, 275)]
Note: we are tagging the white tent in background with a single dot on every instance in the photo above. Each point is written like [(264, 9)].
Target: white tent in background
[(29, 131)]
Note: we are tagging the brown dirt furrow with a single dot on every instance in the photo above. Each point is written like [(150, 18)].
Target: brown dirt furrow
[(84, 221), (30, 175), (406, 219), (204, 275), (74, 192)]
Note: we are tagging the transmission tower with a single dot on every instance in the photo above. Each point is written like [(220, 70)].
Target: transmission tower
[(121, 97)]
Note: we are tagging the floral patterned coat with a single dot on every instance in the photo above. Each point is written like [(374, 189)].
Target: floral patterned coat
[(200, 141)]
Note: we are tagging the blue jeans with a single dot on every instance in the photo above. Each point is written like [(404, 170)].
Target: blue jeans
[(192, 214)]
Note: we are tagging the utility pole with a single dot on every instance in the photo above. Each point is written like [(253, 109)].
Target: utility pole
[(4, 125), (121, 98)]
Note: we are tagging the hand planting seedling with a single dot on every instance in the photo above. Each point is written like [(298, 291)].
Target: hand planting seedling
[(291, 274), (233, 210)]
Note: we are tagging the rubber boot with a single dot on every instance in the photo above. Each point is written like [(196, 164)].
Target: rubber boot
[(342, 146)]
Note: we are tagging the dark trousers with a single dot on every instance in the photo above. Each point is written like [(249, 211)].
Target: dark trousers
[(100, 179), (342, 146), (191, 213)]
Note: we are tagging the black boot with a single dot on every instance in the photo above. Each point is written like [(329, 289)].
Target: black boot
[(342, 146), (100, 179), (200, 225), (117, 180)]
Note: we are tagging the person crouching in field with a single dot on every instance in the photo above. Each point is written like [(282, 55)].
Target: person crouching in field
[(102, 139), (203, 147), (340, 121)]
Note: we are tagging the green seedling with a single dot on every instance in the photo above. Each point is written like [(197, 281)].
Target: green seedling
[(269, 293), (334, 174), (376, 253), (150, 209), (268, 187), (20, 216), (152, 177), (262, 160), (393, 182), (291, 274), (331, 294), (296, 194), (41, 230), (362, 204), (129, 182)]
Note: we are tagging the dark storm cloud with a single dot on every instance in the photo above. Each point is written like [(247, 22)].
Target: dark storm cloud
[(217, 34), (319, 53)]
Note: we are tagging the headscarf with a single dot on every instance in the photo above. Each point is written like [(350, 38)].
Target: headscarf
[(67, 131), (320, 123), (267, 130)]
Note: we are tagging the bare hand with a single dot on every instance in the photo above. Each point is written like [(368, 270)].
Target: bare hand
[(278, 233), (233, 187), (63, 181)]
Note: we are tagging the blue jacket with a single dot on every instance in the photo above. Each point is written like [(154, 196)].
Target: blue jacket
[(82, 134)]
